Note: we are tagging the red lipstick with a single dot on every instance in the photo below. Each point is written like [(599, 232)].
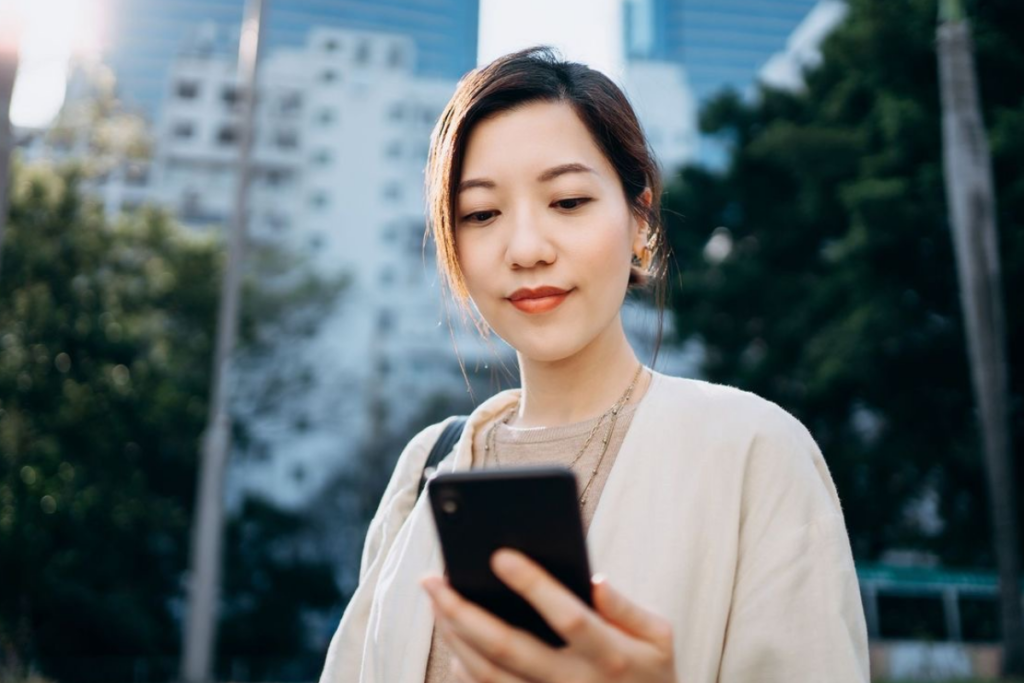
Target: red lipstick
[(539, 300)]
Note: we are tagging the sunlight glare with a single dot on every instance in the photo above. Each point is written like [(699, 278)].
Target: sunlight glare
[(53, 31)]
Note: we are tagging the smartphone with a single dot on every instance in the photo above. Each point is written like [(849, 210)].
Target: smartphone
[(532, 510)]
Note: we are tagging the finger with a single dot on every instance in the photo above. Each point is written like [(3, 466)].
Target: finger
[(509, 648), (476, 666), (629, 616), (565, 613)]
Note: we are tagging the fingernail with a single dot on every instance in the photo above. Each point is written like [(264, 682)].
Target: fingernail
[(598, 578), (506, 561)]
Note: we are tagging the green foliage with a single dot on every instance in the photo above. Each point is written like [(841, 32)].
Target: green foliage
[(830, 285), (103, 375), (275, 579), (106, 334)]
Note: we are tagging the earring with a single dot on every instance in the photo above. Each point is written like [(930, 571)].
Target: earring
[(646, 255)]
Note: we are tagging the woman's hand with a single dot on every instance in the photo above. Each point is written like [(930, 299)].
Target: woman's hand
[(617, 641)]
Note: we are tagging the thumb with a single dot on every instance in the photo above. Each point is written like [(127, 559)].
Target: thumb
[(616, 608)]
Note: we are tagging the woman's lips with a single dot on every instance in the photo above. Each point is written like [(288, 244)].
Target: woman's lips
[(541, 304)]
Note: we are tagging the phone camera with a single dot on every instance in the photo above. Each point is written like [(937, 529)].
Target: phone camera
[(449, 503)]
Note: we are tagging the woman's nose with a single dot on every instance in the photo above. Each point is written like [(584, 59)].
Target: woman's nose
[(528, 244)]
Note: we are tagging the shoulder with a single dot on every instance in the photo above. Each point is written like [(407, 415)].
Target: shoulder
[(727, 409), (749, 435), (409, 468)]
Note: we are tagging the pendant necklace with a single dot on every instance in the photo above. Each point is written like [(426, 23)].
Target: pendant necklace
[(490, 444)]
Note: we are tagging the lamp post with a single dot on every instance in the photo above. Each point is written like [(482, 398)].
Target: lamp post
[(972, 220), (208, 522)]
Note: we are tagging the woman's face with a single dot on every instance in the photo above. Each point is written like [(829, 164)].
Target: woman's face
[(543, 232)]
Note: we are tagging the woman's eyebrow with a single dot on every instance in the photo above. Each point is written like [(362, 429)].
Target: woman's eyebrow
[(546, 176), (486, 183), (562, 169)]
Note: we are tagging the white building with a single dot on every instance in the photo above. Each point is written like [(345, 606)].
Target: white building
[(664, 103), (342, 132)]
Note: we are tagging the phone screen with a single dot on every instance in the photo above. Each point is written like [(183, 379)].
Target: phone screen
[(534, 511)]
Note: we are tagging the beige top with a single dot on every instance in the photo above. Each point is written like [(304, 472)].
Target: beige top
[(718, 514), (521, 447)]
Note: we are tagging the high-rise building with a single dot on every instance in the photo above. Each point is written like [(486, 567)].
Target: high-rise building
[(145, 36), (342, 126), (722, 43)]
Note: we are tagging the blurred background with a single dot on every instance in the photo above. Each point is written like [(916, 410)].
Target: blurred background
[(812, 225)]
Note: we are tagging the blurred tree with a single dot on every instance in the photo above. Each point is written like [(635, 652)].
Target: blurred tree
[(105, 344), (105, 347), (275, 578), (817, 268)]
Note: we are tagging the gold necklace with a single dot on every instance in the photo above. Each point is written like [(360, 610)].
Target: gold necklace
[(490, 444)]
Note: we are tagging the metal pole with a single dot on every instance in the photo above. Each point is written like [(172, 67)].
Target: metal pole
[(951, 610), (8, 70), (969, 192), (208, 525)]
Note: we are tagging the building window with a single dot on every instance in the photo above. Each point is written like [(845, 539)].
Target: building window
[(328, 76), (227, 135), (396, 56), (322, 157), (183, 130), (393, 191), (289, 104), (385, 321), (191, 204), (331, 45), (277, 177), (186, 90), (276, 221), (325, 117), (397, 111), (230, 96), (286, 139), (363, 52), (318, 200), (387, 276), (394, 149)]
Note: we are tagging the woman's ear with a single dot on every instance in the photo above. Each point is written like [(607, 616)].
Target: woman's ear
[(642, 234)]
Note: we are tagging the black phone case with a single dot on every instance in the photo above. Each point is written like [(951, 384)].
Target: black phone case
[(534, 511)]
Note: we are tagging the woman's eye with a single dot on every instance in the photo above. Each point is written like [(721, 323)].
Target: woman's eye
[(573, 203), (479, 216)]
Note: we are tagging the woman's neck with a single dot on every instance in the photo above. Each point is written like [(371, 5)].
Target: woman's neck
[(578, 388)]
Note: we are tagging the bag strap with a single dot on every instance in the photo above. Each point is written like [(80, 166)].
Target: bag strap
[(442, 447)]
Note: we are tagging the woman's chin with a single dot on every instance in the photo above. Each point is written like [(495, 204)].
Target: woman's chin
[(545, 350)]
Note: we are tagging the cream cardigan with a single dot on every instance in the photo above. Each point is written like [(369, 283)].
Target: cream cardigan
[(719, 514)]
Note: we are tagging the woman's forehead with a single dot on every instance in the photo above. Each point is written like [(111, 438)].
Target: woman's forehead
[(530, 140)]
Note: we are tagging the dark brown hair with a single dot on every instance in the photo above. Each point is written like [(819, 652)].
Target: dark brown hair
[(538, 75)]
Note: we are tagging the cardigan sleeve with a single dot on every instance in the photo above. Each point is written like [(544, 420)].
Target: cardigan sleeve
[(796, 612), (344, 656)]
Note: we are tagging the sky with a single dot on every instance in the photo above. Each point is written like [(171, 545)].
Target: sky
[(588, 31)]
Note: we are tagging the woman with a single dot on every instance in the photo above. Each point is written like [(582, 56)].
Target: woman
[(709, 510)]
